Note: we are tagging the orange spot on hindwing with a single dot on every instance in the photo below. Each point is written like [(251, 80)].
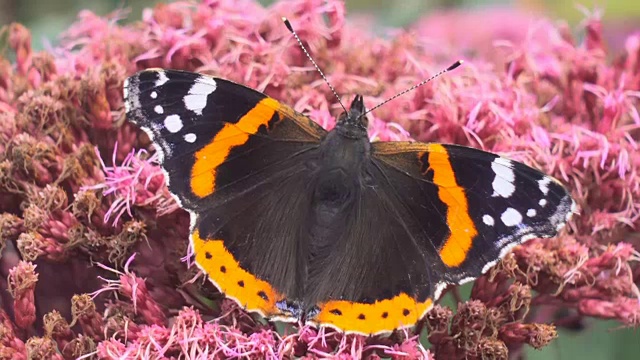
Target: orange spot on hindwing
[(207, 159), (454, 250), (225, 272), (378, 317)]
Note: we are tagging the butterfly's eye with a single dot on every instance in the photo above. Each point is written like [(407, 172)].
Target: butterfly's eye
[(363, 120), (343, 118)]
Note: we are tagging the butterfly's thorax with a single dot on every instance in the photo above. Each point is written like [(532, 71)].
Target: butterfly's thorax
[(339, 173), (340, 167)]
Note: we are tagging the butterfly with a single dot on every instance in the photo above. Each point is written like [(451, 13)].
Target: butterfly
[(298, 223)]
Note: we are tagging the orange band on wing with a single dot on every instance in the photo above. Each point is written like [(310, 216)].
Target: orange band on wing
[(236, 283), (207, 160), (368, 319), (455, 249)]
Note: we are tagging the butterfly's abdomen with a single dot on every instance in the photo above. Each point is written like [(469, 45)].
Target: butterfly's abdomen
[(333, 195), (333, 191), (335, 185)]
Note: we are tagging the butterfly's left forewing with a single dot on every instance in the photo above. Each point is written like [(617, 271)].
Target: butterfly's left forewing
[(483, 206)]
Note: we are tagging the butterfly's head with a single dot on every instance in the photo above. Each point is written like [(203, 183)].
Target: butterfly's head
[(353, 123)]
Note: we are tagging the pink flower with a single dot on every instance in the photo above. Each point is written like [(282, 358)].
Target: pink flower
[(135, 289), (136, 182)]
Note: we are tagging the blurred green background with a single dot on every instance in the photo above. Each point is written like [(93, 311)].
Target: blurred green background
[(590, 339), (47, 18)]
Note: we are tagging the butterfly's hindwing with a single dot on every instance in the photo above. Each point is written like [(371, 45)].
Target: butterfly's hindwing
[(255, 241)]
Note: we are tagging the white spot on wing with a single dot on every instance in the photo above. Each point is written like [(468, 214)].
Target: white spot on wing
[(158, 109), (196, 100), (531, 212), (574, 210), (162, 78), (488, 220), (154, 94), (173, 123), (503, 182), (543, 184), (439, 289), (125, 89), (542, 202), (511, 217), (190, 138)]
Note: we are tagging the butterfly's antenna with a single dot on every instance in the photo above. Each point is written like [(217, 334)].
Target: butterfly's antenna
[(288, 25), (453, 66)]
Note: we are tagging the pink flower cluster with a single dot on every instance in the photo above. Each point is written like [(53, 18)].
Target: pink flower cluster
[(94, 249)]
